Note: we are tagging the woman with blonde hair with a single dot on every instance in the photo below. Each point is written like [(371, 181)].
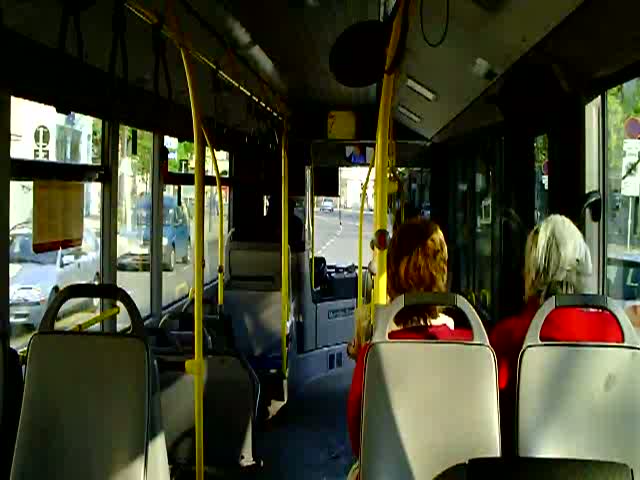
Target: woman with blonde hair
[(557, 261), (416, 262)]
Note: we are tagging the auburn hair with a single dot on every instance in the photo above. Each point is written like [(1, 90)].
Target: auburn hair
[(417, 262)]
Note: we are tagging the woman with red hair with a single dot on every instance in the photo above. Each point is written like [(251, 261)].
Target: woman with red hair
[(416, 262)]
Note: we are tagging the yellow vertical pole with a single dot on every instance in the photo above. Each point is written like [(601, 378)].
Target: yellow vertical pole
[(195, 366), (285, 250), (220, 221), (363, 197), (381, 156)]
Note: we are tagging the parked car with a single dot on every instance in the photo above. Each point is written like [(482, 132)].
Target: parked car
[(35, 278), (327, 205), (176, 236), (623, 276)]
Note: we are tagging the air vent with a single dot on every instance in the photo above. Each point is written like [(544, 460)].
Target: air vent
[(332, 361), (490, 5)]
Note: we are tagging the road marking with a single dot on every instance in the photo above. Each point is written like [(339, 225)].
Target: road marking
[(331, 240)]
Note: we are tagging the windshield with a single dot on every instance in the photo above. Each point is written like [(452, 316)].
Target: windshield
[(21, 251), (142, 217)]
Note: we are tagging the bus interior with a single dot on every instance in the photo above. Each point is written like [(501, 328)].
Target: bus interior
[(199, 196)]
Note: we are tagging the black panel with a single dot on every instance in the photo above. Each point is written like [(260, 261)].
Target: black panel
[(326, 182)]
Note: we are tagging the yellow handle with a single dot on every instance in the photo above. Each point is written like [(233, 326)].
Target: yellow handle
[(381, 155), (284, 292), (195, 366), (97, 319)]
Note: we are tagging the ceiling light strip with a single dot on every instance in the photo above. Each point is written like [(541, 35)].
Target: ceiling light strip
[(409, 114), (420, 89)]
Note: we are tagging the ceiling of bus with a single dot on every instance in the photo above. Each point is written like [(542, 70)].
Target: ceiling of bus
[(281, 50), (297, 36), (499, 38)]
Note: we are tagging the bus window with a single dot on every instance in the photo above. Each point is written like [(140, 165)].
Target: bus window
[(35, 278), (623, 189), (337, 219), (182, 158), (39, 132), (134, 219), (541, 178), (483, 232), (212, 212)]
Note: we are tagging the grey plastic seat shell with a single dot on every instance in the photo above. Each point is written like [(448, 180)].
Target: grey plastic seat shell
[(550, 469), (253, 297), (428, 405), (580, 400), (11, 389), (230, 397), (91, 402)]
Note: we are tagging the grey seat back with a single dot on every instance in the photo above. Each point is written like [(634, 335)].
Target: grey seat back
[(253, 298), (428, 405), (230, 398), (91, 403), (11, 386), (580, 400)]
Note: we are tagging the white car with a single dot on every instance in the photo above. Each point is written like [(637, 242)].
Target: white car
[(327, 205), (35, 278)]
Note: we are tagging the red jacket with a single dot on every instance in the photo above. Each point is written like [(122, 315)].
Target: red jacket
[(562, 324), (354, 403)]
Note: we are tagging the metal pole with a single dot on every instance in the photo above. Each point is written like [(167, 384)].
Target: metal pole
[(109, 215), (157, 215), (381, 156), (5, 175), (195, 366), (629, 223), (284, 310)]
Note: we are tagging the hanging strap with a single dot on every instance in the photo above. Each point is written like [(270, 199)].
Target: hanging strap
[(160, 52), (119, 27), (71, 9)]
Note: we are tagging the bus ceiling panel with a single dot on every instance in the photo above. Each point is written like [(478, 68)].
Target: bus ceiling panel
[(40, 21), (479, 46), (240, 47), (591, 51), (597, 42), (297, 35)]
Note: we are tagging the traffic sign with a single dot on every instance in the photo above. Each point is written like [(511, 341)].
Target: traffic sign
[(630, 185), (41, 136), (632, 128)]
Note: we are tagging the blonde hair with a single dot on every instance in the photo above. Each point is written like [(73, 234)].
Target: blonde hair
[(557, 259), (363, 326), (417, 262)]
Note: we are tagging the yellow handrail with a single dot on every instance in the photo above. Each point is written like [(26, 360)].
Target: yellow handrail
[(381, 155), (220, 222), (363, 197), (195, 366), (284, 310), (95, 320)]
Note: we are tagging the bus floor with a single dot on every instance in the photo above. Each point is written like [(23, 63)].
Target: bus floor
[(308, 438)]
